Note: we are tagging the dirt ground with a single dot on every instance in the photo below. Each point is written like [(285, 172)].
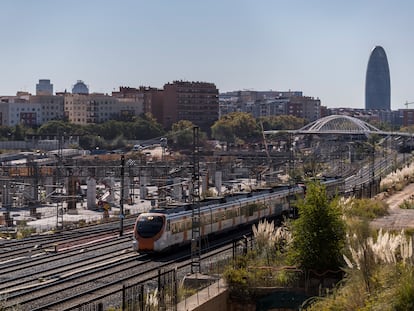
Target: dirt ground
[(398, 218)]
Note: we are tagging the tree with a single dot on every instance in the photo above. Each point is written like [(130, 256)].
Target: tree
[(57, 128), (6, 132), (319, 232), (112, 129), (283, 122), (19, 132), (236, 126), (146, 127), (182, 134)]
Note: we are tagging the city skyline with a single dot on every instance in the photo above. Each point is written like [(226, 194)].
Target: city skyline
[(320, 47)]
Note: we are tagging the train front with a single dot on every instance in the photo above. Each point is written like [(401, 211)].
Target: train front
[(150, 233)]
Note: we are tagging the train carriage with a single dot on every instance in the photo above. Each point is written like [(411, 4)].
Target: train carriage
[(161, 231)]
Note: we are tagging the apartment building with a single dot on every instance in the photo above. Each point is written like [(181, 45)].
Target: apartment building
[(148, 95), (271, 103), (305, 107), (17, 109), (271, 107), (12, 114), (194, 101), (396, 118), (52, 106), (97, 108)]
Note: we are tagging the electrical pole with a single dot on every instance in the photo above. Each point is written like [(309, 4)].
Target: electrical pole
[(121, 199), (196, 213), (372, 183)]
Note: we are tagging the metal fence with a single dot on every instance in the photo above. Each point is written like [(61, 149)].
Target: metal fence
[(157, 294), (163, 292)]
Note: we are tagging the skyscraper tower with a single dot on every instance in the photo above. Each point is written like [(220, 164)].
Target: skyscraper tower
[(377, 83), (44, 87)]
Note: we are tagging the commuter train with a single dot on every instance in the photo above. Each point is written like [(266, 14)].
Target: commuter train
[(161, 230)]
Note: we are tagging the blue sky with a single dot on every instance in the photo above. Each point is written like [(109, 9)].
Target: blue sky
[(320, 47)]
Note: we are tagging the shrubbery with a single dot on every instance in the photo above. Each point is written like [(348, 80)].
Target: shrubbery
[(364, 208), (380, 275), (378, 265)]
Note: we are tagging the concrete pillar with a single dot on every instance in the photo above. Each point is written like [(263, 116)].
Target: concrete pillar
[(110, 186), (91, 193), (218, 181), (204, 184), (142, 185)]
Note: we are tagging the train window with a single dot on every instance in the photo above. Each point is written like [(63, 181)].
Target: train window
[(250, 210), (177, 227), (188, 224), (168, 225), (204, 219), (243, 210), (208, 219), (149, 226), (174, 228), (217, 216)]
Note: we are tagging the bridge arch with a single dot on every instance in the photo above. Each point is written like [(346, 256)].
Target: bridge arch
[(339, 124)]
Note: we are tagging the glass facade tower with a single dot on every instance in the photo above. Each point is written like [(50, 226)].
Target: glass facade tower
[(377, 83)]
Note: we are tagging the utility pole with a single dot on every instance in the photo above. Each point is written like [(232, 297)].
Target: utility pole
[(372, 183), (196, 213), (121, 199), (59, 183)]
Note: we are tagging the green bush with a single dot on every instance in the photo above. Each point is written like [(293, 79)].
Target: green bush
[(404, 298), (407, 204), (366, 208), (318, 233), (24, 232)]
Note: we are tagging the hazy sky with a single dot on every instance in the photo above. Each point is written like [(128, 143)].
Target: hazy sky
[(320, 47)]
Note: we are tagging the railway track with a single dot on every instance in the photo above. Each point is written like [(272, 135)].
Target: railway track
[(105, 289), (45, 267), (74, 282), (11, 250), (61, 288)]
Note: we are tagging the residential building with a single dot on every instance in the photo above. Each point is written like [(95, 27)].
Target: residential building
[(20, 113), (145, 94), (271, 103), (407, 117), (304, 107), (97, 108), (193, 101), (271, 107), (52, 106), (392, 118)]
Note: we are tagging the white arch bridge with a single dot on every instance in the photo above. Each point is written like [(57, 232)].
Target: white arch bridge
[(342, 125)]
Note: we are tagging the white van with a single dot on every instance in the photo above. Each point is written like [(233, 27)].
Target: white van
[(137, 148)]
